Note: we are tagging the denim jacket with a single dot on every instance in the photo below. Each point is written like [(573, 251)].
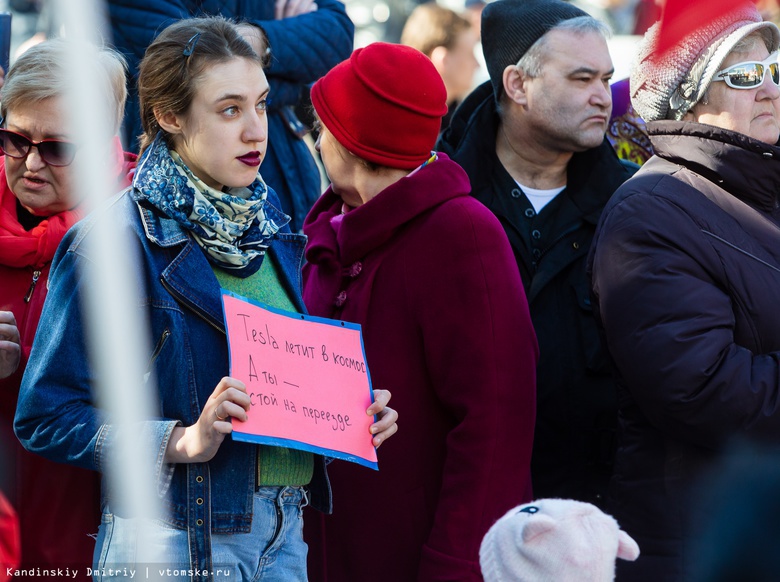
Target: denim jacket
[(180, 298)]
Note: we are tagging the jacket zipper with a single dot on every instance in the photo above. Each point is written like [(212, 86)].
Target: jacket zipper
[(203, 317), (164, 338), (35, 277), (155, 354)]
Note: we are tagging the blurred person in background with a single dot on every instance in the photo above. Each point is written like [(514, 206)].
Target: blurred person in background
[(10, 344), (619, 15), (306, 39), (648, 12), (10, 552), (449, 41), (57, 504), (626, 130), (472, 11), (737, 501), (10, 356), (769, 9), (397, 245)]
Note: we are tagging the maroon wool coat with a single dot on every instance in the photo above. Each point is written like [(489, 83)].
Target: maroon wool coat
[(429, 274)]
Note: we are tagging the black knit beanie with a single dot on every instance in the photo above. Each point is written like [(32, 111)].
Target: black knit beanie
[(510, 27)]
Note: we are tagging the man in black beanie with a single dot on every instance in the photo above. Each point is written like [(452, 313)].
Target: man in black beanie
[(532, 142)]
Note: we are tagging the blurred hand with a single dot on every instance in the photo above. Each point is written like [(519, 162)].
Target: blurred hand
[(385, 426), (290, 8), (10, 342), (254, 36)]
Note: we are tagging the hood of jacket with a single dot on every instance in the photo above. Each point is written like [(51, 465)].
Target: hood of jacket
[(376, 222), (470, 138), (746, 168)]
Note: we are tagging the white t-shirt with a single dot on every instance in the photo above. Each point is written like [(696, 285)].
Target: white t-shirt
[(540, 198)]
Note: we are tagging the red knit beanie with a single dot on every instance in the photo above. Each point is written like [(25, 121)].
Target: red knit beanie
[(384, 104)]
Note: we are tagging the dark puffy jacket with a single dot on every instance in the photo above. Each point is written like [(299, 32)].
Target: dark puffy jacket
[(686, 272), (576, 395), (303, 48)]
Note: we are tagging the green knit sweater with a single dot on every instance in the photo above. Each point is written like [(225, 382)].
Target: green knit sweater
[(276, 466)]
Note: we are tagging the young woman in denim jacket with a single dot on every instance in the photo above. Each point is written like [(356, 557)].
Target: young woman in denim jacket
[(200, 217)]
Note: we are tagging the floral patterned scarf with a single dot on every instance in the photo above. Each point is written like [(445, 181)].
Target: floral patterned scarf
[(233, 228)]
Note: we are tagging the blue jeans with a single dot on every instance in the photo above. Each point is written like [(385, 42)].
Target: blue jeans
[(273, 551)]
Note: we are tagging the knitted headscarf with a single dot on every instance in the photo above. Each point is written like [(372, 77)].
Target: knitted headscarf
[(669, 84)]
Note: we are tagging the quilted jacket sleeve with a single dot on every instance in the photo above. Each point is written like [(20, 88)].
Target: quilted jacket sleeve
[(304, 47), (669, 311)]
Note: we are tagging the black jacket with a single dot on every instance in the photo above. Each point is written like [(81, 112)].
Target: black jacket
[(686, 272), (576, 398)]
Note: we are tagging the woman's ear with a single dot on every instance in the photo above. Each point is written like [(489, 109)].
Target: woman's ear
[(514, 84), (438, 55), (168, 121)]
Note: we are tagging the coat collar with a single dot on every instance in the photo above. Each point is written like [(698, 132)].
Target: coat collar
[(189, 275), (369, 226), (746, 168), (592, 175)]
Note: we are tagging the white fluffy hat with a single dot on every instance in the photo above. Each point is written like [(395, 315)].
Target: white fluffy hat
[(554, 540), (667, 85)]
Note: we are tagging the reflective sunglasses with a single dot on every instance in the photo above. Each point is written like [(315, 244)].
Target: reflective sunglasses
[(750, 74), (53, 151)]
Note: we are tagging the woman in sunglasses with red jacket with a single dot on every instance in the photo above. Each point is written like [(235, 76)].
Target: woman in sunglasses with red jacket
[(686, 275), (38, 203)]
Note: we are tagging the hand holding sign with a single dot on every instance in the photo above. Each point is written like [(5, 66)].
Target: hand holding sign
[(386, 426), (307, 381), (199, 442)]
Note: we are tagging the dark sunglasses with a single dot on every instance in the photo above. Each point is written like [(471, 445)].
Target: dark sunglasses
[(750, 74), (53, 151)]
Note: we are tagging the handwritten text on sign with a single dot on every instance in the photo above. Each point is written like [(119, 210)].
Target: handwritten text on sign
[(306, 377)]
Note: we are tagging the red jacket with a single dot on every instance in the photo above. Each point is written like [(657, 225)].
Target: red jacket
[(429, 274), (58, 505), (9, 539)]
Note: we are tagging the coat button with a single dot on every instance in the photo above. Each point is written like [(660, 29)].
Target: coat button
[(199, 522), (199, 478), (341, 299), (516, 193), (537, 253), (575, 245), (530, 213), (199, 501), (536, 234)]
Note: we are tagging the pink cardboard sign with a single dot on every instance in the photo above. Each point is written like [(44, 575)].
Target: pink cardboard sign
[(306, 377)]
